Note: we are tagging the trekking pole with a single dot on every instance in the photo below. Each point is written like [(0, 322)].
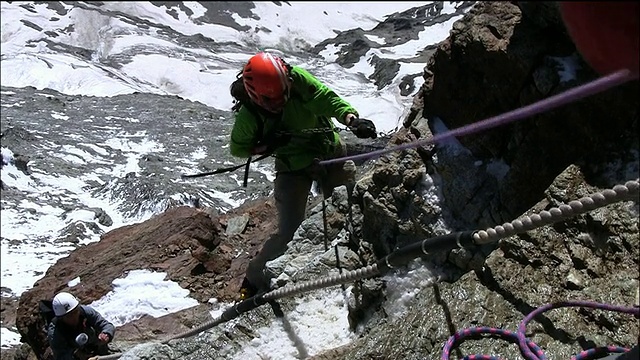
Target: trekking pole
[(224, 170), (219, 171)]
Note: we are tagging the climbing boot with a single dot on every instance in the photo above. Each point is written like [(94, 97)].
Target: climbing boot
[(247, 290)]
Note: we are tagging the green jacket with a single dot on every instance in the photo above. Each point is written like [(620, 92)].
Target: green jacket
[(311, 105)]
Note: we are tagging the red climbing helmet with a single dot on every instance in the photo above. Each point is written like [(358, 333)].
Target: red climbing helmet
[(266, 80), (605, 33)]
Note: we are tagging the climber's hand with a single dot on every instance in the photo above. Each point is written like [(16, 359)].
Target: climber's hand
[(363, 128)]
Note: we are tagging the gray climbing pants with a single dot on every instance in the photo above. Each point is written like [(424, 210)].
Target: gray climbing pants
[(291, 192)]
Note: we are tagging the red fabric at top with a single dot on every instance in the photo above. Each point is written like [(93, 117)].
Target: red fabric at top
[(605, 33)]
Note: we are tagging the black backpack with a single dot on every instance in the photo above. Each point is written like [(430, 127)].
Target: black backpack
[(45, 308)]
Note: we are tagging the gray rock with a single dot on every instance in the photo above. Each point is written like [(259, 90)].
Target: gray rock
[(236, 225), (149, 351), (574, 281)]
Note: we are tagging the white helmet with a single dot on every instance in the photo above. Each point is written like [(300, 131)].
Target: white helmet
[(64, 303)]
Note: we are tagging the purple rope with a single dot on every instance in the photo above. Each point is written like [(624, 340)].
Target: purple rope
[(522, 340), (459, 337), (574, 94), (528, 348), (599, 351), (480, 357)]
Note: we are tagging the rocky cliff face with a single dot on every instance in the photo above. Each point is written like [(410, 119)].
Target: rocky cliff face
[(499, 57)]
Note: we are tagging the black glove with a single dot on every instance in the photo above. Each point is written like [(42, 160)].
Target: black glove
[(363, 128)]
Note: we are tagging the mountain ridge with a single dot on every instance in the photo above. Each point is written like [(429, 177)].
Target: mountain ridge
[(492, 284)]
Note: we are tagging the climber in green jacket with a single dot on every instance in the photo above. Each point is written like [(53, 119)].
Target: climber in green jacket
[(285, 111)]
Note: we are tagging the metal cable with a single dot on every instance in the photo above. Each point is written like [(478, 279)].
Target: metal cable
[(628, 191), (107, 357), (229, 314), (306, 286)]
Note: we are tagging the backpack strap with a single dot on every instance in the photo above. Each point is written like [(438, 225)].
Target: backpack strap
[(242, 99), (45, 308)]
